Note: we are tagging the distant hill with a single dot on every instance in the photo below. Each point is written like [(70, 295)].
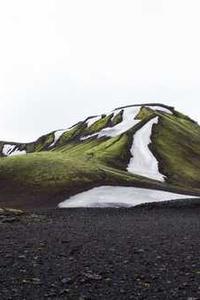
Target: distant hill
[(144, 145)]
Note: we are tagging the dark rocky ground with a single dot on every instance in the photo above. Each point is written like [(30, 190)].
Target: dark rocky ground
[(142, 253)]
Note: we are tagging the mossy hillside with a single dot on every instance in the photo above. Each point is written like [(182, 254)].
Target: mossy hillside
[(50, 174), (42, 143), (71, 134), (176, 144), (105, 121), (183, 117), (110, 151), (74, 165), (144, 113), (118, 118), (56, 174), (48, 171), (115, 151)]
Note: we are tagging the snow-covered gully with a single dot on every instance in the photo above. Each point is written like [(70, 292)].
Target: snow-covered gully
[(143, 161)]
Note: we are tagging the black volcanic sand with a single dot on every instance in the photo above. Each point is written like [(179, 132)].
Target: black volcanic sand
[(142, 253)]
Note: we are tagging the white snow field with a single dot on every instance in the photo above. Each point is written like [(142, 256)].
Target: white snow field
[(143, 161), (118, 196), (9, 150)]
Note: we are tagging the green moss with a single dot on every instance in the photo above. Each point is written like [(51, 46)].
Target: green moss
[(113, 152), (105, 121), (42, 143), (75, 165), (144, 113), (183, 117), (118, 118), (176, 144), (47, 171), (71, 134)]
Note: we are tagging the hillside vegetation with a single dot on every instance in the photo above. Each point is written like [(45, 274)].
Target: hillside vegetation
[(91, 154)]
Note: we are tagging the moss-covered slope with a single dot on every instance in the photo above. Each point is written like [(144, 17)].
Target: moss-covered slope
[(96, 152)]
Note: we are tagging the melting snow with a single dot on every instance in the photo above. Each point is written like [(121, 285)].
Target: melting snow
[(112, 196), (57, 135), (143, 161), (128, 122), (11, 150), (88, 136), (7, 149), (18, 152), (160, 108)]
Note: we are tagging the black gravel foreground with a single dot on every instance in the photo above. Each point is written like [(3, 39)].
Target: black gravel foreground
[(141, 253)]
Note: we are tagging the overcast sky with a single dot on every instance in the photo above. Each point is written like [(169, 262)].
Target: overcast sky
[(62, 60)]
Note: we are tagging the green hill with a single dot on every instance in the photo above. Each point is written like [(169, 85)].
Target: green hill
[(110, 149)]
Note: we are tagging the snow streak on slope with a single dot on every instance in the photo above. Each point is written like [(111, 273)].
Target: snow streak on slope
[(161, 109), (11, 150), (143, 161), (112, 196), (7, 149), (128, 122), (57, 135)]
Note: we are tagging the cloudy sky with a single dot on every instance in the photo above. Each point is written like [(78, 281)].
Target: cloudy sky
[(62, 60)]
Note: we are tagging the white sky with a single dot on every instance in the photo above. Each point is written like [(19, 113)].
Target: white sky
[(62, 60)]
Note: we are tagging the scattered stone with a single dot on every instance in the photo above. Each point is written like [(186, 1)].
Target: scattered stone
[(67, 280), (92, 276), (9, 220), (148, 262)]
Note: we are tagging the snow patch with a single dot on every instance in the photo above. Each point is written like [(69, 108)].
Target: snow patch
[(161, 109), (83, 138), (143, 161), (112, 196), (7, 149), (127, 123), (18, 152), (57, 135), (11, 150)]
